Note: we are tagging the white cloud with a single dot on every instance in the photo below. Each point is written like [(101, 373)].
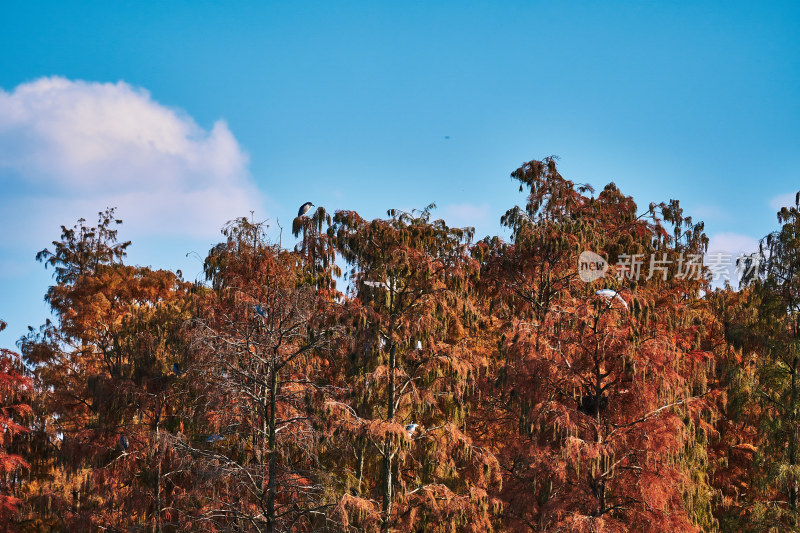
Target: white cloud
[(69, 149), (723, 251), (732, 243), (783, 200)]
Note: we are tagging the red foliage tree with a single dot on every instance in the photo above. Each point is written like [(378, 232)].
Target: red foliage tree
[(14, 389), (591, 404)]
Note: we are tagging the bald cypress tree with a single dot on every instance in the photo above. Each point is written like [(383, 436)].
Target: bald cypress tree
[(101, 373), (767, 334), (14, 419), (594, 402), (409, 372), (257, 339)]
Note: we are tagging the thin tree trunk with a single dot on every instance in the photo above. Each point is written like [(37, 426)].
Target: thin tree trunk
[(793, 489), (601, 481), (388, 455), (158, 482), (360, 467), (271, 483)]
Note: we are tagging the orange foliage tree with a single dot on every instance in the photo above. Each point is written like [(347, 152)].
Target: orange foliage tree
[(593, 400), (103, 380), (406, 376)]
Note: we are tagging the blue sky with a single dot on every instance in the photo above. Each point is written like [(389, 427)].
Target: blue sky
[(186, 114)]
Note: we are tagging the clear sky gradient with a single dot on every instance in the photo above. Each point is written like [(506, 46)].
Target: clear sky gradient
[(187, 114)]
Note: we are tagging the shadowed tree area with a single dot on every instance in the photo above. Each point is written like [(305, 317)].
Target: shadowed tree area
[(395, 375)]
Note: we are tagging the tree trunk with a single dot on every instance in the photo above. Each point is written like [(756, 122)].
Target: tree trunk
[(793, 489), (388, 455), (601, 480), (360, 467), (272, 468), (157, 489)]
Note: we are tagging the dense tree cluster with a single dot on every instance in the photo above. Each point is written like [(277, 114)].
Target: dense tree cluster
[(393, 375)]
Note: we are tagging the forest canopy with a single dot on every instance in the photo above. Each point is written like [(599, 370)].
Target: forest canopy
[(395, 375)]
